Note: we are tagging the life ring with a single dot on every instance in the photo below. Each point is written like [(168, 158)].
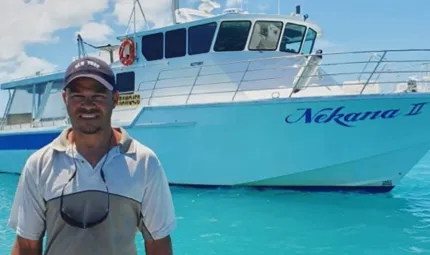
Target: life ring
[(127, 52)]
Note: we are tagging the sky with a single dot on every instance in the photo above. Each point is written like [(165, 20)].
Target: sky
[(40, 35)]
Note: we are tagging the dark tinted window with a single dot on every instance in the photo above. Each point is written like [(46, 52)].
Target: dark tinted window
[(125, 82), (308, 45), (292, 38), (200, 38), (232, 36), (152, 46), (176, 43)]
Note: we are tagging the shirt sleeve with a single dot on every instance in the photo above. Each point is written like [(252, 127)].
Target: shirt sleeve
[(158, 215), (27, 216)]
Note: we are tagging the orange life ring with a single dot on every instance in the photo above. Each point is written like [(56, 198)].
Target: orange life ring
[(127, 52)]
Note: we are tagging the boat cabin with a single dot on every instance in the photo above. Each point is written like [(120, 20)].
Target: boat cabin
[(217, 40), (226, 33)]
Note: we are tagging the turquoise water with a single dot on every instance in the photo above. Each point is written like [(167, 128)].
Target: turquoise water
[(280, 222)]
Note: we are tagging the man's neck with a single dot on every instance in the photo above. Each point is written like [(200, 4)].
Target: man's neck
[(93, 147)]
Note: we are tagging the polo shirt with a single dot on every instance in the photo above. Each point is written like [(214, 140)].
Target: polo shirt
[(140, 198)]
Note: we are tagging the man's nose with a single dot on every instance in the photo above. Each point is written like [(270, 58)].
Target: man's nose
[(88, 102)]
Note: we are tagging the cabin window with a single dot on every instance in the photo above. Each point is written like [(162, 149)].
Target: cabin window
[(309, 42), (292, 38), (200, 38), (266, 35), (153, 46), (125, 82), (176, 43), (232, 35)]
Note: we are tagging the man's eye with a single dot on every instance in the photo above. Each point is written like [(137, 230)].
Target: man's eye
[(99, 97), (80, 97), (77, 96)]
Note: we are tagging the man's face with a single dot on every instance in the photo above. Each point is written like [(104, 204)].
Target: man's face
[(89, 105)]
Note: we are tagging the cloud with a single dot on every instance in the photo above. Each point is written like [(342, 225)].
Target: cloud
[(39, 20), (94, 32), (24, 65), (157, 12), (36, 22)]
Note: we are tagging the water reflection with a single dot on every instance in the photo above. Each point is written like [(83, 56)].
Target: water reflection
[(317, 223), (244, 221)]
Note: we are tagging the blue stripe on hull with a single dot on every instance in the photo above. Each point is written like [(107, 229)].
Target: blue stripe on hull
[(26, 141), (355, 189)]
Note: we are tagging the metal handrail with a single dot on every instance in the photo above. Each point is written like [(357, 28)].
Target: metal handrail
[(373, 72), (241, 80), (3, 120), (382, 59), (238, 77), (194, 84), (239, 61)]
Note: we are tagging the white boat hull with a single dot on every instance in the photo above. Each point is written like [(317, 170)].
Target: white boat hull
[(251, 144)]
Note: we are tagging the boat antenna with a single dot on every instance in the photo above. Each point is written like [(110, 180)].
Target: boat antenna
[(81, 49), (108, 47), (133, 16), (175, 7)]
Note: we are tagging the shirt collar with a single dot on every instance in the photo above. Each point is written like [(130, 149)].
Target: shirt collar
[(126, 144)]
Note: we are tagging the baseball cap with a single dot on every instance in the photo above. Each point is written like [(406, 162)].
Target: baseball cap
[(90, 67)]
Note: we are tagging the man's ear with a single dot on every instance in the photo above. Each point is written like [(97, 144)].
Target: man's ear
[(64, 94), (115, 96)]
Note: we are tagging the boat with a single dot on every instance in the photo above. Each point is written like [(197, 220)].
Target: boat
[(239, 99)]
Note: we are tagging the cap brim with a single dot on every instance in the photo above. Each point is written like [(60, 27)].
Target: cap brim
[(92, 76)]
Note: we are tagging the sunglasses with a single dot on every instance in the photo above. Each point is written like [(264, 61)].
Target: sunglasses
[(85, 209)]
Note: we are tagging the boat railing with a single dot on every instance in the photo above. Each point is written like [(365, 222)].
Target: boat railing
[(39, 124), (371, 53), (281, 76), (318, 74), (3, 120)]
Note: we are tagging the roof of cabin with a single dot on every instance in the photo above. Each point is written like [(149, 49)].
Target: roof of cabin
[(43, 78), (229, 16)]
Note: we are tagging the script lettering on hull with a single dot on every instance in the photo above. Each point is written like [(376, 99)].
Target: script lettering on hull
[(342, 117)]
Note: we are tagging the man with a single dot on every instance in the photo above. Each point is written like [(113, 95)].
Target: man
[(94, 185)]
